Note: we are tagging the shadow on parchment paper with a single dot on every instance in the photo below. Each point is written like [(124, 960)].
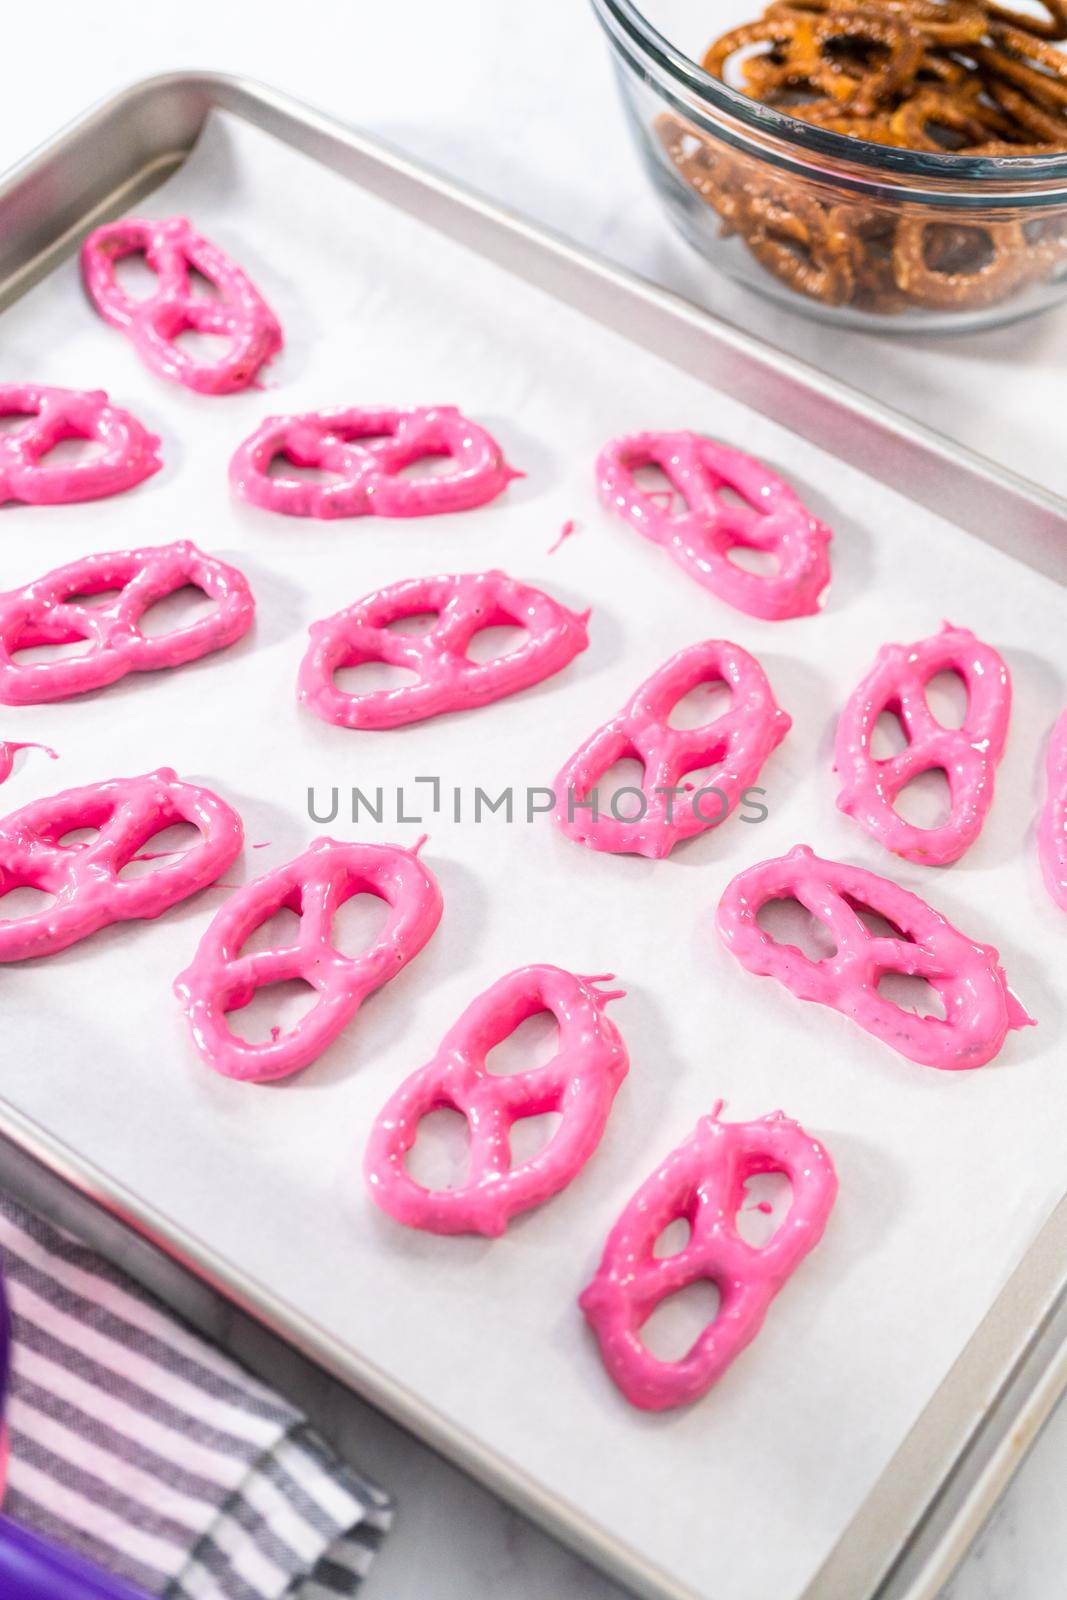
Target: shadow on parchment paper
[(280, 604), (851, 558), (1019, 786), (526, 454)]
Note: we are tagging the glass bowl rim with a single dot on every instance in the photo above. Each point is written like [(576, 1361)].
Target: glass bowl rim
[(889, 160)]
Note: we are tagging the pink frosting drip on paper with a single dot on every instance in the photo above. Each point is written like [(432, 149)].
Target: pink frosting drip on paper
[(9, 750)]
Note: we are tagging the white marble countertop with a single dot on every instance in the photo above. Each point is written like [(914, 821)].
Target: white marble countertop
[(518, 100)]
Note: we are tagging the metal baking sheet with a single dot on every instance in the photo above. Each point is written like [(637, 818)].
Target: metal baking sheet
[(927, 1501)]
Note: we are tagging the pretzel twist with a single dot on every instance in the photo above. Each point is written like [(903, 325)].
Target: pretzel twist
[(949, 24), (1034, 65), (222, 978), (1052, 26), (980, 1009), (129, 453), (799, 57), (173, 249), (1043, 128), (737, 742), (464, 604), (802, 242), (770, 518), (580, 1083), (365, 451), (914, 122), (703, 1182), (982, 278), (84, 876), (53, 610), (707, 168), (968, 755)]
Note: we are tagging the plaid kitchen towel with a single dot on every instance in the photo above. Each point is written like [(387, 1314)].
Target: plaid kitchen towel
[(153, 1455)]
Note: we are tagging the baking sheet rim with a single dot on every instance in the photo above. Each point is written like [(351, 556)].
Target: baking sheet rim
[(1014, 1337)]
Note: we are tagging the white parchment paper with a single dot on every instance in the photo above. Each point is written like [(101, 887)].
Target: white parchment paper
[(945, 1178)]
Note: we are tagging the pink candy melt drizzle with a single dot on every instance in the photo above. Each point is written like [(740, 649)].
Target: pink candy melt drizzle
[(128, 453), (770, 517), (365, 451), (580, 1082), (980, 1009), (315, 885), (569, 527), (1052, 828), (739, 741), (172, 248), (703, 1181), (968, 754), (8, 752), (48, 612), (83, 876), (448, 679)]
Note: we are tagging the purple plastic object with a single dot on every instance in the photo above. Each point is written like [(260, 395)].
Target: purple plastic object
[(5, 1344), (30, 1569), (5, 1373)]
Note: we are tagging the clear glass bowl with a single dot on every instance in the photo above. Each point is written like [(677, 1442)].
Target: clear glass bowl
[(854, 233)]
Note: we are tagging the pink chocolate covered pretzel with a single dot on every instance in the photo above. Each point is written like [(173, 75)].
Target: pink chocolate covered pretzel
[(128, 454), (449, 680), (315, 885), (580, 1081), (980, 1009), (365, 451), (703, 1181), (770, 517), (173, 249), (968, 755), (669, 809), (1052, 828), (52, 610), (84, 876)]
